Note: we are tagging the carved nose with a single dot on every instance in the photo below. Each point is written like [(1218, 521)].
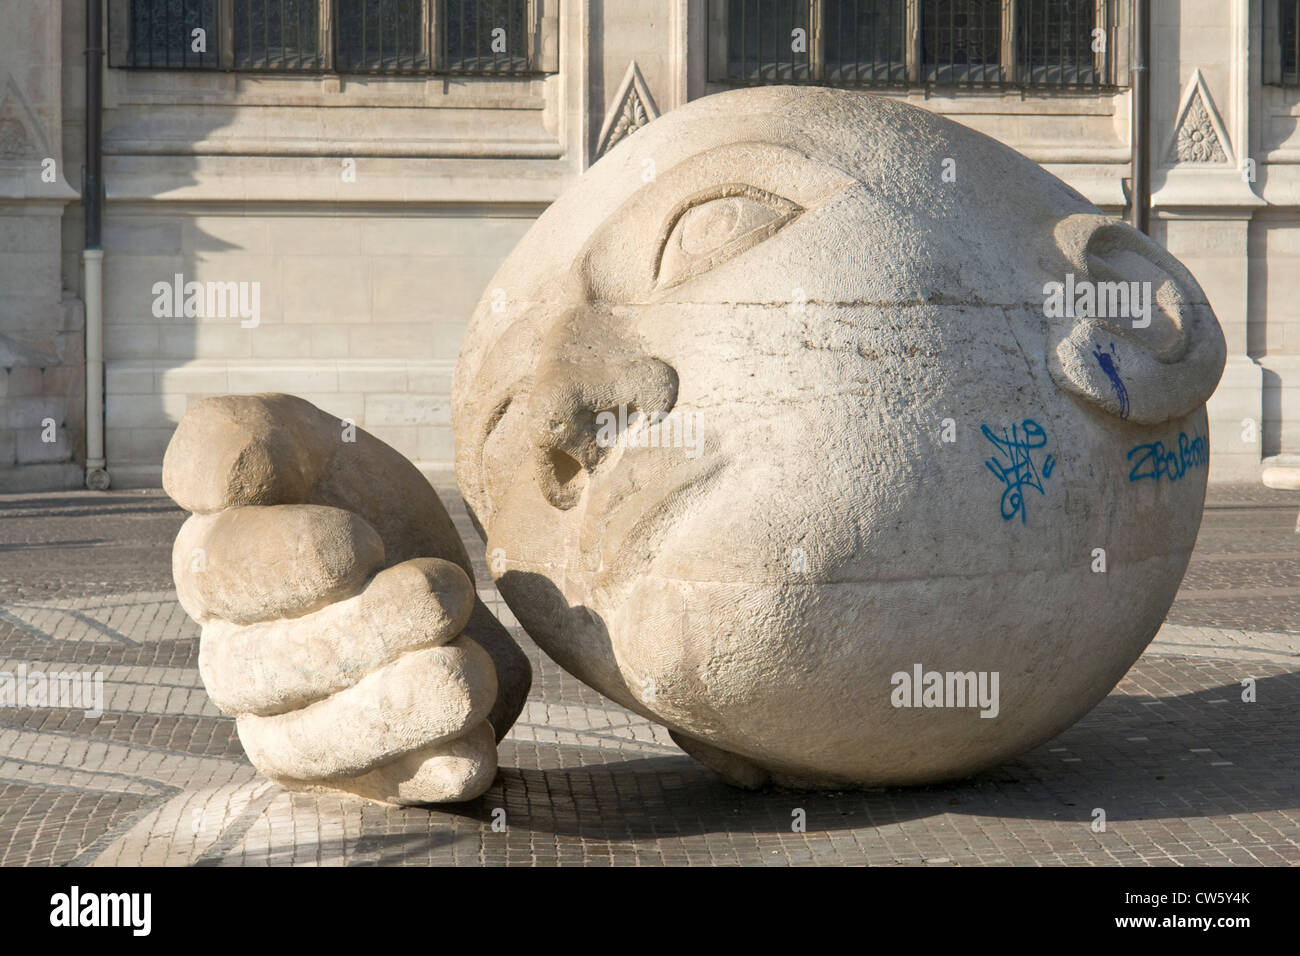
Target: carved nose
[(570, 435)]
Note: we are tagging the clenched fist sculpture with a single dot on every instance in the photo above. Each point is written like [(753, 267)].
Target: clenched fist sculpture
[(804, 445), (340, 622)]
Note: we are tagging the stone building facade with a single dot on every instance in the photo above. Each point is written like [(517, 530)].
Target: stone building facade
[(362, 209)]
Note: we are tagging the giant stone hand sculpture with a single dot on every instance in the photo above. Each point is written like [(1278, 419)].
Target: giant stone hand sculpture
[(785, 438), (340, 621)]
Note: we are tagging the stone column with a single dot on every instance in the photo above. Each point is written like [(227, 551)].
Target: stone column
[(1203, 199)]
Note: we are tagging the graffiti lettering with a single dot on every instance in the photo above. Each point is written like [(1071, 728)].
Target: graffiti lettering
[(1014, 465), (1154, 461)]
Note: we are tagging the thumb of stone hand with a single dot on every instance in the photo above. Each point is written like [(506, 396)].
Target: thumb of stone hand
[(231, 451)]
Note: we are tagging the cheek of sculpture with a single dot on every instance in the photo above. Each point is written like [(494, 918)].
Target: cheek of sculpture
[(773, 631)]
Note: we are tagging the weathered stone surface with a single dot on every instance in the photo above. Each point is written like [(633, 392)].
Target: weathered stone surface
[(222, 571), (341, 624), (448, 772), (890, 453), (424, 697), (281, 665)]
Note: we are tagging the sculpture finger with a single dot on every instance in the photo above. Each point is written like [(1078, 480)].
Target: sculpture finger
[(231, 451), (234, 450), (451, 771), (277, 666), (424, 697), (260, 563)]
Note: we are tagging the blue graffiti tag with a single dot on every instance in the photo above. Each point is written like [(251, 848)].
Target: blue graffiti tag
[(1160, 462), (1109, 366), (1018, 471)]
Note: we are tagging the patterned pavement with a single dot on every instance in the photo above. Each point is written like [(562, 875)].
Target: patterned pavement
[(1185, 772)]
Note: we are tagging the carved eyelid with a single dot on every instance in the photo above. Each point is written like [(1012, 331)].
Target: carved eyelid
[(786, 211)]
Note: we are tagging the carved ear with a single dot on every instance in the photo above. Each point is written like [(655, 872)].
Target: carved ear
[(1145, 368)]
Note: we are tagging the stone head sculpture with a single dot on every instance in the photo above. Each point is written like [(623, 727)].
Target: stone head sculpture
[(804, 413), (842, 440)]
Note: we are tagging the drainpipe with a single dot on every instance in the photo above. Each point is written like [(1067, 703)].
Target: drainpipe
[(92, 255), (1140, 135)]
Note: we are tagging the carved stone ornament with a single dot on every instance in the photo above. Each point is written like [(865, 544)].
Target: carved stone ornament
[(633, 108), (1199, 136)]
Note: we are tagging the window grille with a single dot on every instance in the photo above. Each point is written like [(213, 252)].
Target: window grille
[(1062, 44), (496, 37)]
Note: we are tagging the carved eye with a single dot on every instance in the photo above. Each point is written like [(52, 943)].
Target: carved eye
[(708, 229)]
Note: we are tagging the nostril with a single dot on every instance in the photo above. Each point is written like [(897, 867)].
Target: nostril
[(562, 478), (564, 467)]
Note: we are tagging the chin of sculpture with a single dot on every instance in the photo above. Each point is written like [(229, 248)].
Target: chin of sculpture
[(843, 441)]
